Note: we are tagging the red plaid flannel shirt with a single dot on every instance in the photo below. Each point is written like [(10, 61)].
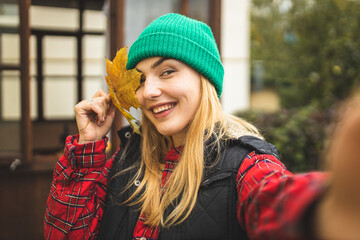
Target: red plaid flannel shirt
[(271, 200)]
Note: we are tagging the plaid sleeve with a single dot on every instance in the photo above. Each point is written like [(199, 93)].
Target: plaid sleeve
[(272, 202), (77, 194)]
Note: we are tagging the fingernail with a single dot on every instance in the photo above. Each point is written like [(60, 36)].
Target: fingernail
[(103, 118)]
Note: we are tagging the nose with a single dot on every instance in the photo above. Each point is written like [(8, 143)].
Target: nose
[(151, 88)]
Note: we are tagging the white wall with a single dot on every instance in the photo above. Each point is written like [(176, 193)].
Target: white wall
[(235, 53)]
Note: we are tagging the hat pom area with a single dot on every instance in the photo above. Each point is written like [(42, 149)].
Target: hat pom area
[(187, 40)]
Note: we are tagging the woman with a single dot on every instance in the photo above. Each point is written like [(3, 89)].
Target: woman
[(194, 173)]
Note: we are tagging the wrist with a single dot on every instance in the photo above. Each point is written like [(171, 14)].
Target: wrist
[(83, 139)]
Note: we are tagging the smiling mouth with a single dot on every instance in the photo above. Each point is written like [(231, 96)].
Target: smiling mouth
[(163, 108)]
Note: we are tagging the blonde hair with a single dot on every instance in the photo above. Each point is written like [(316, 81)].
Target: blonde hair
[(181, 190)]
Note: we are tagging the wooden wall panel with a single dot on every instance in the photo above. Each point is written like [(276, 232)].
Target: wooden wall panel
[(116, 41), (22, 203)]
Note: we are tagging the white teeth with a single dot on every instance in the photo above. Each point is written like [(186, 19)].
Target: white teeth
[(163, 108)]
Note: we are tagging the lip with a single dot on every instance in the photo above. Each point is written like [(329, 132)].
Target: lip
[(160, 104), (163, 113)]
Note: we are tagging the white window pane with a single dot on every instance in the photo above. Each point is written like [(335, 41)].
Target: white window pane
[(59, 55), (54, 18), (60, 67), (9, 16), (142, 12), (59, 98), (59, 47), (33, 98), (10, 48), (94, 20), (10, 96), (94, 55), (94, 47), (91, 85), (94, 67), (33, 69)]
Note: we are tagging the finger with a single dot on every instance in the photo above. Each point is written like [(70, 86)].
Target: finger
[(102, 93), (94, 106), (99, 93), (110, 113), (100, 111), (106, 103), (102, 97)]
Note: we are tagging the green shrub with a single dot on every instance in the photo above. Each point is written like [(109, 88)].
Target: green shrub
[(299, 135), (308, 53)]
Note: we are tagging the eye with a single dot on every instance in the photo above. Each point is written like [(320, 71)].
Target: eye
[(142, 79), (167, 72)]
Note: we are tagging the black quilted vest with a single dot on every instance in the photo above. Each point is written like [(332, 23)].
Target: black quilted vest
[(214, 215)]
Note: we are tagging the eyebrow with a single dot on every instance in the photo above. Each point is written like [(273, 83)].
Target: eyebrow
[(158, 62)]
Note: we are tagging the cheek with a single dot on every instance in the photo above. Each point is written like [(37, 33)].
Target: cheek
[(139, 97), (146, 114), (195, 93), (189, 90)]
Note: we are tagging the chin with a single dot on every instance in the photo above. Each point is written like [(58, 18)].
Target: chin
[(169, 130)]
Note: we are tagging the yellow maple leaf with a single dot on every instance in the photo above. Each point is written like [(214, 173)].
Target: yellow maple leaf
[(122, 84)]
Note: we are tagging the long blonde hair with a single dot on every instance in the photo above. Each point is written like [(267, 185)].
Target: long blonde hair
[(187, 176)]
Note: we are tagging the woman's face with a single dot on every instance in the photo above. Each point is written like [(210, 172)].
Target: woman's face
[(169, 95)]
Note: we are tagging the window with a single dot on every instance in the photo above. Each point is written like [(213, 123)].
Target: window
[(65, 62), (10, 81)]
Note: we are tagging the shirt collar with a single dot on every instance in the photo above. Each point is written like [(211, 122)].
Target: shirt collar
[(174, 154)]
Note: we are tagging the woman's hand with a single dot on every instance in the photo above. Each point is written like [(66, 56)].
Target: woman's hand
[(338, 214), (94, 117)]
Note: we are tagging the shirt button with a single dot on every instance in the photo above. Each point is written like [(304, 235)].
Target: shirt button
[(137, 183), (128, 135)]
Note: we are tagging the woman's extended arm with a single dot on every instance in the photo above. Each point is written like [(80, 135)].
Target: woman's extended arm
[(338, 214), (275, 204), (272, 202)]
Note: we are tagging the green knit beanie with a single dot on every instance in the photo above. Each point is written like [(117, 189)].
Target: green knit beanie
[(182, 38)]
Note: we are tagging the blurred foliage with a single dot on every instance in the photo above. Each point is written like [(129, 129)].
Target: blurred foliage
[(298, 134), (309, 49)]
